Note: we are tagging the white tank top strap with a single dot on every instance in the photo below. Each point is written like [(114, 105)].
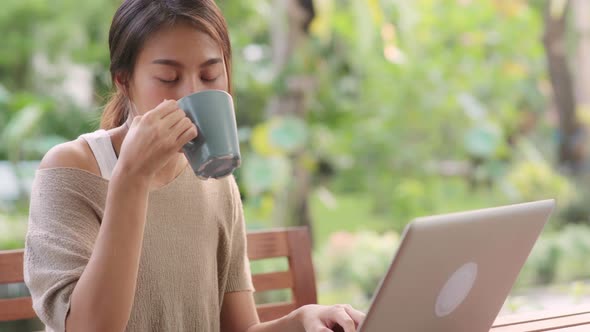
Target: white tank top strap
[(102, 147)]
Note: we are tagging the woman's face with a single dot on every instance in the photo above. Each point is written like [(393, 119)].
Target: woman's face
[(175, 62)]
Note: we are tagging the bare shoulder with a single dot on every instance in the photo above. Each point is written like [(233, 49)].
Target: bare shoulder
[(73, 154)]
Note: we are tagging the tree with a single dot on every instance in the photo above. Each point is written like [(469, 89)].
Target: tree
[(571, 133), (581, 16), (289, 33)]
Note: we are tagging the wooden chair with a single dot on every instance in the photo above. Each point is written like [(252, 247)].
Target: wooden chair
[(292, 243), (11, 271), (295, 245)]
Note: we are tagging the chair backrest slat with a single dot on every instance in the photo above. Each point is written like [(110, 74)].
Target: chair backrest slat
[(16, 309), (300, 264), (292, 243), (267, 244), (11, 271), (11, 266), (273, 280)]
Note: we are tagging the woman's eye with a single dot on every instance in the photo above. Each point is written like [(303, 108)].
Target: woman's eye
[(167, 81), (209, 78)]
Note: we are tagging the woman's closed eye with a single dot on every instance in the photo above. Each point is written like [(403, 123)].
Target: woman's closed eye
[(210, 78), (211, 75), (167, 80)]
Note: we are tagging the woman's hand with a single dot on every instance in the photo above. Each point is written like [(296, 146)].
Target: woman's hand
[(154, 138), (319, 318)]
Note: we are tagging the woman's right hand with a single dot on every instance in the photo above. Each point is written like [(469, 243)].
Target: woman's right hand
[(154, 138)]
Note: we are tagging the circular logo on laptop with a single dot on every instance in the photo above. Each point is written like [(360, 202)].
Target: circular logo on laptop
[(455, 291)]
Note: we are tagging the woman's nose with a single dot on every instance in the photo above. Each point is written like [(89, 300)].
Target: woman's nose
[(194, 84)]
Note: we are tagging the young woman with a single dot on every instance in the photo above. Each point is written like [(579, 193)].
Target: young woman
[(122, 235)]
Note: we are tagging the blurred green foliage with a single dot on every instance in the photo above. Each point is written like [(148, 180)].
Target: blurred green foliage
[(31, 124), (401, 88)]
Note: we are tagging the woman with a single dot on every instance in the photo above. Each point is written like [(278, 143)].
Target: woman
[(122, 235)]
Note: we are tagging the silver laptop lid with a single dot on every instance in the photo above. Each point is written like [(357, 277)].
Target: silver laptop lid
[(453, 272)]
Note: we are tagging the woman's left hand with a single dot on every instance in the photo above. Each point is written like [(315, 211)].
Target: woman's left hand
[(319, 318)]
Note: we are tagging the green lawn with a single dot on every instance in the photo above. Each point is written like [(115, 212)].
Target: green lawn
[(346, 213)]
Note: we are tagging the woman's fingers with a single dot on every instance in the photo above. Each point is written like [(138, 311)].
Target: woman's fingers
[(180, 127), (135, 121), (335, 328), (343, 319), (165, 108), (356, 315), (173, 118), (340, 318), (186, 136)]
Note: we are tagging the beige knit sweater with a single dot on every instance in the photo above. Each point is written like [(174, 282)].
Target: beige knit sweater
[(194, 248)]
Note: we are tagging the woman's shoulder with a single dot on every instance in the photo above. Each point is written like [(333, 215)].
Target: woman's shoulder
[(69, 168), (74, 154)]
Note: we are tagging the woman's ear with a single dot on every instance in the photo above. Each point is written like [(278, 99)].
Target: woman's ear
[(122, 83)]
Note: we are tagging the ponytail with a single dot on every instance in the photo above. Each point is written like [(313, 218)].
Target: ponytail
[(115, 111)]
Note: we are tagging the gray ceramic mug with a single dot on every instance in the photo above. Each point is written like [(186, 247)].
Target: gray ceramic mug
[(215, 153)]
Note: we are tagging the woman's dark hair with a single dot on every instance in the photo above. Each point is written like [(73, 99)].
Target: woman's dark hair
[(135, 21)]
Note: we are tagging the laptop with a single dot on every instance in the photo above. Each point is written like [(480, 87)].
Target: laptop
[(453, 272)]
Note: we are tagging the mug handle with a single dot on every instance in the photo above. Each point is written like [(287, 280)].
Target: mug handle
[(198, 142)]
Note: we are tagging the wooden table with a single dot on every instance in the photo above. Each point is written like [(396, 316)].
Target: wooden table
[(576, 319)]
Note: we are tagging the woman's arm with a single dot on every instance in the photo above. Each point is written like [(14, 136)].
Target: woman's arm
[(238, 314), (103, 296)]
